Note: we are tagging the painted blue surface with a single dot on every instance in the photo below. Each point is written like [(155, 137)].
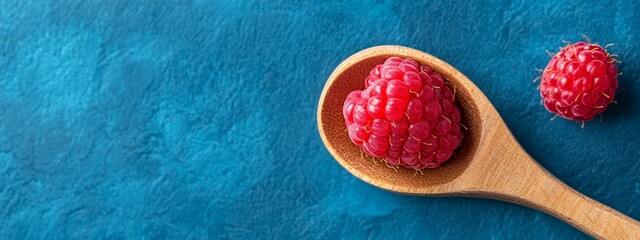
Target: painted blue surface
[(196, 119)]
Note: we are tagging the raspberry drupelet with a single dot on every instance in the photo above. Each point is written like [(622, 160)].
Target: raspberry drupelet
[(406, 115), (579, 82)]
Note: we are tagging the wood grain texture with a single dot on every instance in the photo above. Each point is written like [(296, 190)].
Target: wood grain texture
[(490, 162)]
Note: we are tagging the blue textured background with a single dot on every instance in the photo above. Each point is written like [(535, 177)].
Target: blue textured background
[(197, 119)]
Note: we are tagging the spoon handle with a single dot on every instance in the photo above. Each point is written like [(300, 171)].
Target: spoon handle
[(586, 214), (532, 186)]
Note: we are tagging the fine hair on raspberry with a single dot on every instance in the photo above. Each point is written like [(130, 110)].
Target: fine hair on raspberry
[(406, 115), (579, 82)]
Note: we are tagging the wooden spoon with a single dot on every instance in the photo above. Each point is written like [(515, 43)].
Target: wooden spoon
[(490, 163)]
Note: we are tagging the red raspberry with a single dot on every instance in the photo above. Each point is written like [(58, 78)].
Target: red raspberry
[(406, 115), (579, 82)]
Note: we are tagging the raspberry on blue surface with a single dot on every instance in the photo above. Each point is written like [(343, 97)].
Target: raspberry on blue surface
[(579, 82)]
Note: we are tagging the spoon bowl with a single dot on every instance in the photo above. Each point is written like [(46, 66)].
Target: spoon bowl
[(349, 77), (490, 163)]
